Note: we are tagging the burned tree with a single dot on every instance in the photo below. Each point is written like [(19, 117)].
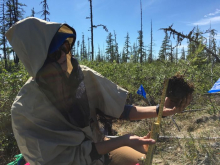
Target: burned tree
[(2, 31), (140, 39), (45, 12), (150, 57), (32, 12), (126, 52), (93, 26), (14, 13), (191, 38)]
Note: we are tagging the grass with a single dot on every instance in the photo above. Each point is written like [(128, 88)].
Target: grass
[(193, 148)]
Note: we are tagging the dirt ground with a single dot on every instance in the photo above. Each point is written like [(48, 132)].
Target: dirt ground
[(193, 139)]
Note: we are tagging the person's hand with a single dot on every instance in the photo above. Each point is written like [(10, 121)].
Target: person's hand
[(139, 143), (171, 107), (168, 103), (183, 104)]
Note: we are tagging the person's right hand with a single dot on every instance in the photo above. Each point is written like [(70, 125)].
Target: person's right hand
[(138, 143), (183, 103), (171, 107)]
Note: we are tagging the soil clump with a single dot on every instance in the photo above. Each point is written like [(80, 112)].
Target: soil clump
[(178, 88)]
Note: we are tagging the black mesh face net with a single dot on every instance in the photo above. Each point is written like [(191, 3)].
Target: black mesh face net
[(65, 47)]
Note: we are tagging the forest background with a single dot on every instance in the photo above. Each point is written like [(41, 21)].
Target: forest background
[(192, 136)]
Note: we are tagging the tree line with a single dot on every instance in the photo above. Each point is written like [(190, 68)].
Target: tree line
[(199, 50), (12, 11)]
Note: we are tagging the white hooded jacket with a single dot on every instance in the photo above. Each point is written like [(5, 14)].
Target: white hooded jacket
[(43, 135)]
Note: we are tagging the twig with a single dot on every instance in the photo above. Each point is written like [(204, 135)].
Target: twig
[(193, 110), (212, 105), (178, 137), (196, 138), (206, 157), (147, 101), (175, 123)]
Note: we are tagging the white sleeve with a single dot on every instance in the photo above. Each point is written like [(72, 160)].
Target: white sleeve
[(103, 94)]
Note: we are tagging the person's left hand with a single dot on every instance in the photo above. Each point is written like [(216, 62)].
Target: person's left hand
[(145, 145), (139, 143)]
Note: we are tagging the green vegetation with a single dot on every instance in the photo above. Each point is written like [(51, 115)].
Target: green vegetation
[(11, 81), (152, 75), (130, 76)]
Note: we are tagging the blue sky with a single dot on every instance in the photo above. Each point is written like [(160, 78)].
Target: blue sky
[(123, 16)]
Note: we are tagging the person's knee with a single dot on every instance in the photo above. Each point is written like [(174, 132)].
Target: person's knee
[(125, 156)]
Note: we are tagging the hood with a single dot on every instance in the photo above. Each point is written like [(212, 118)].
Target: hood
[(31, 39)]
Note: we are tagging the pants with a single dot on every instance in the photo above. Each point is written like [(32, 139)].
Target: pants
[(125, 156)]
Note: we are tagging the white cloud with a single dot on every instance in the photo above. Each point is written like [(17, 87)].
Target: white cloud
[(207, 21), (212, 14)]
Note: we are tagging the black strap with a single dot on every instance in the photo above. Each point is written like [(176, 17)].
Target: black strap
[(157, 110)]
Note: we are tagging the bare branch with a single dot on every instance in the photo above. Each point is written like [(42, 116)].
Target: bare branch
[(181, 36)]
